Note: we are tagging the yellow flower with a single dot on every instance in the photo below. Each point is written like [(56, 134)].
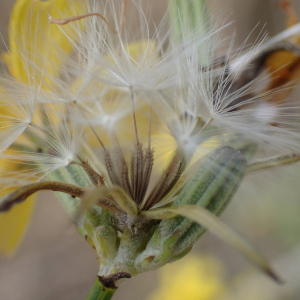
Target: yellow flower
[(196, 277), (29, 29), (14, 223)]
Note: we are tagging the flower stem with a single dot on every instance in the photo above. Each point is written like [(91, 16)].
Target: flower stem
[(99, 292), (189, 17), (186, 16)]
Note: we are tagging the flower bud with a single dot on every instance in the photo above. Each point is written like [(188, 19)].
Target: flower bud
[(212, 187)]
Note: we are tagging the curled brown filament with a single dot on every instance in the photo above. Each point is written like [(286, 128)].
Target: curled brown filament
[(77, 18)]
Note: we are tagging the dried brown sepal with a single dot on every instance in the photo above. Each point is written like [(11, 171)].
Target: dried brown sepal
[(165, 183), (110, 280), (148, 164), (125, 182), (140, 173), (137, 167), (112, 173)]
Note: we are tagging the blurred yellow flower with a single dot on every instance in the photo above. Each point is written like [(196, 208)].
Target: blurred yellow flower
[(29, 30), (196, 277), (29, 33)]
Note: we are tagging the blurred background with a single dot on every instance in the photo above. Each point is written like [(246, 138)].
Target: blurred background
[(54, 262)]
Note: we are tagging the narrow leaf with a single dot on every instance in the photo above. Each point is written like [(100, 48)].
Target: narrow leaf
[(120, 196), (272, 162), (205, 218), (124, 201)]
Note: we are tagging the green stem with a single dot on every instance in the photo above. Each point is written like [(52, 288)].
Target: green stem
[(99, 292), (191, 16), (272, 162)]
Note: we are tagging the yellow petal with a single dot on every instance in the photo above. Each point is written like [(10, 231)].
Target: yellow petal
[(196, 277), (13, 225), (29, 30), (137, 50)]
